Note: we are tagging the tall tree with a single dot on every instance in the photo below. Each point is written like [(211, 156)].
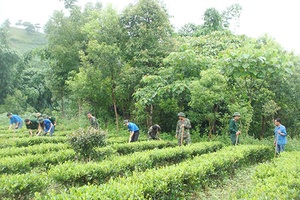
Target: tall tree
[(148, 34), (65, 40), (8, 61), (103, 51), (208, 95)]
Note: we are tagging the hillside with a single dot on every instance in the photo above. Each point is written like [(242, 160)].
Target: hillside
[(23, 41)]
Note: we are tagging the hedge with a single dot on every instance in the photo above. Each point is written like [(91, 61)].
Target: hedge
[(171, 182), (34, 149), (278, 179), (71, 173)]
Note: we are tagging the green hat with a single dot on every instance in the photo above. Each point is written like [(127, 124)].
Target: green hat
[(236, 114), (125, 122), (181, 114), (40, 120)]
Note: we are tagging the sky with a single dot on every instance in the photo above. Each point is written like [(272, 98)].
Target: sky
[(277, 18)]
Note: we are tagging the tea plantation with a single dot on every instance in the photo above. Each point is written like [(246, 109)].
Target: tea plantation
[(43, 167)]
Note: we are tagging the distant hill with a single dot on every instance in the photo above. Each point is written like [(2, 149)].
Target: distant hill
[(23, 41)]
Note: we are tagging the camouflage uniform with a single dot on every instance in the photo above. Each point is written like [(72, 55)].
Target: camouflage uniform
[(186, 133), (152, 132), (94, 122)]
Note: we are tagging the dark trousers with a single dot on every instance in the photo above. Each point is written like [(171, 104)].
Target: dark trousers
[(135, 136)]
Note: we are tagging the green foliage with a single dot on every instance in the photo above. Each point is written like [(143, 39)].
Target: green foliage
[(33, 149), (173, 181), (22, 41), (22, 186), (24, 142), (23, 164), (8, 60), (148, 33), (15, 103), (208, 95), (101, 172), (84, 142), (276, 180)]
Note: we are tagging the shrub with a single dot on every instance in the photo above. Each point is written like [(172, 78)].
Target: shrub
[(84, 142)]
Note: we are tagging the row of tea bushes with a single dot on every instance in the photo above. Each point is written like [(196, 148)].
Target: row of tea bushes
[(25, 142), (93, 172), (278, 179), (25, 185), (23, 164), (171, 182), (34, 149)]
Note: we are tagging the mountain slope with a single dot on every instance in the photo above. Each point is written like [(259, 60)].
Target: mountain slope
[(23, 41)]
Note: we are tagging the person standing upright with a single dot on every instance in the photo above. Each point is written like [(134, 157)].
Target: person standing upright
[(134, 131), (183, 129), (234, 128), (280, 136), (93, 121), (15, 120)]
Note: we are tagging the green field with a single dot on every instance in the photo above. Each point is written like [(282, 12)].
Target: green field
[(43, 167)]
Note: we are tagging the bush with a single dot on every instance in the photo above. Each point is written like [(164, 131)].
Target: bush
[(84, 142)]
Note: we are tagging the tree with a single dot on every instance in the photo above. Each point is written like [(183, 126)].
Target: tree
[(8, 61), (208, 95), (189, 29), (103, 50), (148, 34), (212, 20), (252, 67), (231, 15), (65, 40)]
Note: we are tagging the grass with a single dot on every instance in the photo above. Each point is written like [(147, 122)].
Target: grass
[(228, 187)]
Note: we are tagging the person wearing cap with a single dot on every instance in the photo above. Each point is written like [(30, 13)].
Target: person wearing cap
[(234, 128), (52, 119), (46, 125), (15, 120), (32, 124), (153, 132), (183, 129), (134, 131), (93, 121)]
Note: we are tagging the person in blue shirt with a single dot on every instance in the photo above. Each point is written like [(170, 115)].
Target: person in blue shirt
[(15, 119), (280, 136), (46, 125), (133, 130)]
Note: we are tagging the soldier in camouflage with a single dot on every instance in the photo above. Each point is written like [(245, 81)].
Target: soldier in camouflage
[(93, 121), (183, 129), (234, 128), (153, 132)]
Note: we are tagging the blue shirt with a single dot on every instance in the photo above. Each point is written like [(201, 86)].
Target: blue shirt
[(281, 139), (47, 125), (15, 119), (132, 127)]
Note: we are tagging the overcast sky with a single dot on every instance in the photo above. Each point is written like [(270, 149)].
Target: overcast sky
[(277, 18)]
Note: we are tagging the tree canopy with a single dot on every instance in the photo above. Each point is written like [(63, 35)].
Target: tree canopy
[(133, 64)]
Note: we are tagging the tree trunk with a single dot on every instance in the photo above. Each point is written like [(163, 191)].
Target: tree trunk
[(263, 127), (151, 115), (115, 109), (79, 110), (62, 104)]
